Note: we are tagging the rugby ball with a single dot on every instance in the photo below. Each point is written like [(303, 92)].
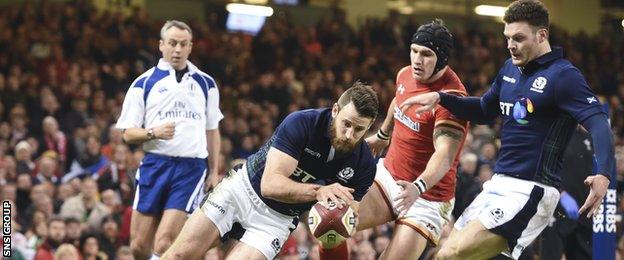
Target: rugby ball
[(331, 226)]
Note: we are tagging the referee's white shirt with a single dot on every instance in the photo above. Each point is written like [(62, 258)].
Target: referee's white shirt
[(156, 97)]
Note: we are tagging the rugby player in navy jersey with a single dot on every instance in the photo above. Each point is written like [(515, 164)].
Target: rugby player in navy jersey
[(541, 97), (313, 155)]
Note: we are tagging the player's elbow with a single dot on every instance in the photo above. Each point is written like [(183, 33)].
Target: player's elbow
[(266, 188)]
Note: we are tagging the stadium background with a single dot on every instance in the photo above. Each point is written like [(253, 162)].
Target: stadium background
[(74, 60)]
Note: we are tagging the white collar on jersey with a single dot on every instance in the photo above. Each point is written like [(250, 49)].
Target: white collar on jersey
[(163, 65)]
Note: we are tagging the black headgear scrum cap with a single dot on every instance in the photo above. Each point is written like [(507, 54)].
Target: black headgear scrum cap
[(436, 37)]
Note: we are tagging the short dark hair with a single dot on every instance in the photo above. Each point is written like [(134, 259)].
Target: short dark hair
[(531, 11), (85, 236), (55, 218), (364, 99), (70, 220)]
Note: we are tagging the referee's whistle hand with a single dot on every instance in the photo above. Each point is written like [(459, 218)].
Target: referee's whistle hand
[(165, 131)]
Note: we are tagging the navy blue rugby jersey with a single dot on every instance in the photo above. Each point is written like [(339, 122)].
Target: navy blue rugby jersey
[(541, 105), (304, 135)]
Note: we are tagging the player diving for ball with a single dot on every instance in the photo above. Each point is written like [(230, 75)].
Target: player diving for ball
[(313, 155), (415, 182)]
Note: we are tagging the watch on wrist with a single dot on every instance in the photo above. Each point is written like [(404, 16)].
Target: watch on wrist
[(150, 134)]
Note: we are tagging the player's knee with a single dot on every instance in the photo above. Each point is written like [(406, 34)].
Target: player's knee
[(448, 252), (140, 248), (163, 243)]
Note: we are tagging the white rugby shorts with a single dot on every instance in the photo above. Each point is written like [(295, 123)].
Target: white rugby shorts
[(426, 217), (234, 201), (516, 209)]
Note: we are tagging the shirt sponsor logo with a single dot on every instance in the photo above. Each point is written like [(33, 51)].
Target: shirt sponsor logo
[(509, 79), (179, 111), (521, 110), (505, 108), (539, 84), (312, 152), (302, 176), (398, 115), (346, 174), (217, 206)]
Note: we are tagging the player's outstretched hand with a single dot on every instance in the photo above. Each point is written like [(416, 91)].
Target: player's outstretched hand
[(376, 145), (335, 192), (212, 180), (426, 101), (406, 197), (598, 185), (165, 131)]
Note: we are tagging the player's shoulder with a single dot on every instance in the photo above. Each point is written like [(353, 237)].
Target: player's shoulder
[(563, 73), (563, 66), (308, 113), (365, 158), (202, 78), (453, 84), (308, 117), (139, 82), (402, 72)]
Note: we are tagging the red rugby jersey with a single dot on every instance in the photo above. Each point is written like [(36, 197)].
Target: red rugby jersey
[(412, 137)]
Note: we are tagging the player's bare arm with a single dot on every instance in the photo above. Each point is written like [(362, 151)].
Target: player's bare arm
[(213, 137), (380, 140), (137, 135), (277, 185), (447, 142)]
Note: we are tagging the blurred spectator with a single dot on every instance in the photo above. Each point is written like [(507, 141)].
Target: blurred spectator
[(112, 201), (54, 139), (73, 231), (468, 187), (109, 240), (89, 163), (86, 206), (54, 238), (47, 171), (90, 247), (114, 139), (23, 158), (67, 252), (115, 175), (124, 253), (24, 185)]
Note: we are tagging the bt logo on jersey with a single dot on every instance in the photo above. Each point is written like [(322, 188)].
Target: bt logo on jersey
[(505, 107), (519, 110)]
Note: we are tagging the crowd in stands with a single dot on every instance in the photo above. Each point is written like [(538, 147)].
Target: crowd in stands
[(65, 67)]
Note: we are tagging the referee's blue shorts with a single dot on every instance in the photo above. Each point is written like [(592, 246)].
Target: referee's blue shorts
[(165, 182)]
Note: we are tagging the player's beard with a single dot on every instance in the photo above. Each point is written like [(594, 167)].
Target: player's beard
[(341, 145)]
